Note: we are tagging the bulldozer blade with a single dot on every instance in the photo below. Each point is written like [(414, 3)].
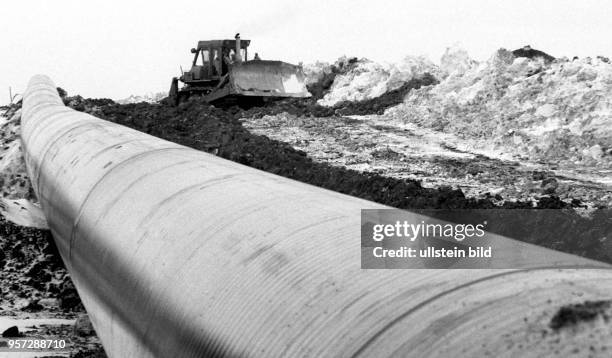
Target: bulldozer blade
[(267, 79)]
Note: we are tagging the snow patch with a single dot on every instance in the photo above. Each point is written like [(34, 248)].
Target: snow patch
[(369, 79), (559, 111), (17, 202)]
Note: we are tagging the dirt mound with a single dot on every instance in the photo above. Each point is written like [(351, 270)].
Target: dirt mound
[(389, 99), (90, 105)]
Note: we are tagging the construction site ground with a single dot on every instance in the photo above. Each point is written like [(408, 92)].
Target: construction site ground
[(351, 147)]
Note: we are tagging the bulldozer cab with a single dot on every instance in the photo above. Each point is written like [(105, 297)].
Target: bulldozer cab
[(212, 60)]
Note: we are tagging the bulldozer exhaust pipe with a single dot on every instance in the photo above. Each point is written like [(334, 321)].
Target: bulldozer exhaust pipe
[(238, 46), (178, 253)]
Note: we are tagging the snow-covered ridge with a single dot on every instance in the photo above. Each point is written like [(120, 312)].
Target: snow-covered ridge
[(535, 109), (362, 79), (538, 108)]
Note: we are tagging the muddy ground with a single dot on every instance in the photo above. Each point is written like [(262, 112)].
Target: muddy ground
[(38, 297)]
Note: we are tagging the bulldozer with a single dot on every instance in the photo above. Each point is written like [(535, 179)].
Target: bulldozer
[(222, 73)]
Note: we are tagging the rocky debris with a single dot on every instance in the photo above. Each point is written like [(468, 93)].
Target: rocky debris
[(97, 352), (540, 175), (32, 306), (11, 332), (574, 314), (49, 304), (91, 105), (69, 298), (549, 185), (33, 271)]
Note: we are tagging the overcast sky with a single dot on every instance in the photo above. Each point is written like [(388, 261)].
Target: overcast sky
[(117, 48)]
